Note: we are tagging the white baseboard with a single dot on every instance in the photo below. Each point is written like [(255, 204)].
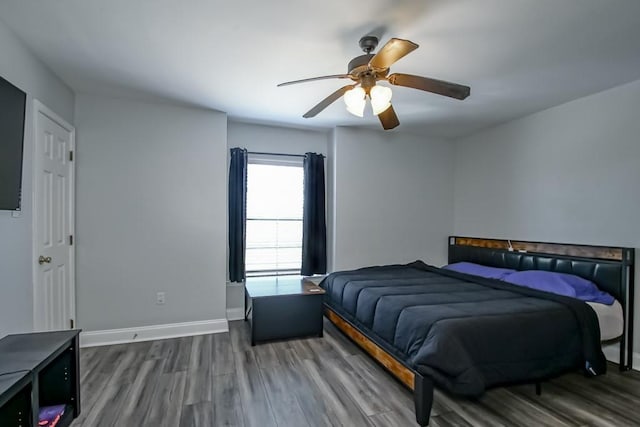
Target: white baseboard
[(150, 333), (612, 353), (236, 313), (235, 284)]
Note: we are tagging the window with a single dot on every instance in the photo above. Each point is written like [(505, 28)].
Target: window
[(274, 218)]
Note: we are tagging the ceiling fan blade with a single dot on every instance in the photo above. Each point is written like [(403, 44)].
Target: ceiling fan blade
[(388, 118), (334, 76), (327, 101), (440, 87), (392, 52)]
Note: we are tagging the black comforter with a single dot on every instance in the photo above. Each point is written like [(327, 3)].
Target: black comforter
[(465, 332)]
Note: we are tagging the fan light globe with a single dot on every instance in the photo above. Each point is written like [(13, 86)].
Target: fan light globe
[(380, 98), (355, 101)]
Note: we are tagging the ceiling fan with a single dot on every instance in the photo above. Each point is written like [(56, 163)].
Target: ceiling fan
[(368, 69)]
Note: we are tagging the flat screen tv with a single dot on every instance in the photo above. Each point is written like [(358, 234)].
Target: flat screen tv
[(12, 111)]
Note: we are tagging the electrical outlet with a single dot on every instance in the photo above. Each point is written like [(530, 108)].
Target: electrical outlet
[(160, 298)]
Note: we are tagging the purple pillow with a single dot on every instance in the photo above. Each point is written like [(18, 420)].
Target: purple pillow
[(560, 284), (479, 270), (50, 415)]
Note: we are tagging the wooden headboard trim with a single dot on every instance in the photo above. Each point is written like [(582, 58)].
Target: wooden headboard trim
[(583, 251)]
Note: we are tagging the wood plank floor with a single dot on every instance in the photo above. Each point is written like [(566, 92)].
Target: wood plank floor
[(220, 380)]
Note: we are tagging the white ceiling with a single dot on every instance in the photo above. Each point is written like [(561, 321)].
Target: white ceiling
[(518, 56)]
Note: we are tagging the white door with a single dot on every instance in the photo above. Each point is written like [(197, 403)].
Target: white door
[(53, 220)]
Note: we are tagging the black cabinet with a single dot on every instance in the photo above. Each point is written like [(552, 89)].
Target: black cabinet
[(38, 370), (283, 307), (15, 399)]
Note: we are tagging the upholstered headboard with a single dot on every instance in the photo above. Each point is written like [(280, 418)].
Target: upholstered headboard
[(611, 268)]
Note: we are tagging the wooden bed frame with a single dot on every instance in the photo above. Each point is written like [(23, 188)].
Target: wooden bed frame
[(422, 386)]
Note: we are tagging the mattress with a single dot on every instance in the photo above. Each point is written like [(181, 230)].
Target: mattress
[(610, 319), (466, 333)]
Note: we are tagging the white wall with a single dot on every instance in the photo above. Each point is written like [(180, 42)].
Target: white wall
[(151, 213), (24, 70), (276, 139), (272, 139), (389, 195), (567, 174), (393, 198)]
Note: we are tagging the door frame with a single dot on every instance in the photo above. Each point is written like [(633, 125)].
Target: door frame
[(40, 108)]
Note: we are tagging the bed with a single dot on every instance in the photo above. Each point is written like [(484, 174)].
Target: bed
[(465, 333)]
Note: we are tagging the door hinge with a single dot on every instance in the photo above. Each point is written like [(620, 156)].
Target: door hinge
[(71, 240), (71, 156), (71, 323)]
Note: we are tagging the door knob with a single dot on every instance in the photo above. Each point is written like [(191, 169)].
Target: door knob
[(43, 259)]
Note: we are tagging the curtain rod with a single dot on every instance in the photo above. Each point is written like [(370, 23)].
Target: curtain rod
[(278, 154)]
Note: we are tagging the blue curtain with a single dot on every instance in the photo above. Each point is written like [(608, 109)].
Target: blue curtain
[(314, 224), (237, 213)]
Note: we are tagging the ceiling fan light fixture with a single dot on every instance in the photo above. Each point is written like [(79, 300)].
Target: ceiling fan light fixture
[(355, 101), (380, 98), (365, 71)]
